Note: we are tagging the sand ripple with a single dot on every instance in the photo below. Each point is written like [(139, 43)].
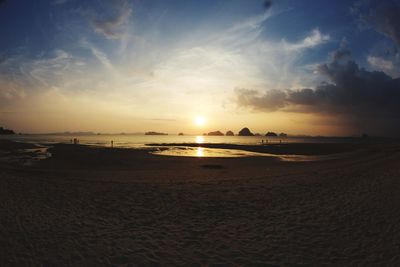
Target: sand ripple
[(341, 214)]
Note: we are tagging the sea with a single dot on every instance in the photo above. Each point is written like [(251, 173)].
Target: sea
[(140, 141), (137, 141)]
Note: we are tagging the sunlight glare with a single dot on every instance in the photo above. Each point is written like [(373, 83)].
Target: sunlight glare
[(200, 121), (200, 152)]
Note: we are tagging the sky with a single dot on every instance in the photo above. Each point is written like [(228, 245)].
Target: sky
[(294, 66)]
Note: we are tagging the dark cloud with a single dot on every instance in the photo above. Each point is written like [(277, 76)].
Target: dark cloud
[(267, 4), (365, 99), (272, 99), (342, 54), (383, 16)]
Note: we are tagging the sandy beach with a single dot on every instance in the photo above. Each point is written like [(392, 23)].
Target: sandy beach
[(93, 206)]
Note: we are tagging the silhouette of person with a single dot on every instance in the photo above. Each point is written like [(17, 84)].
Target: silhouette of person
[(112, 143)]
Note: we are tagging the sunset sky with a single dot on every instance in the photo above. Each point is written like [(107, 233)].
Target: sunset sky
[(295, 66)]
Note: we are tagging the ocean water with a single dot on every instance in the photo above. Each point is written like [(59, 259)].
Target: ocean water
[(140, 141), (137, 141)]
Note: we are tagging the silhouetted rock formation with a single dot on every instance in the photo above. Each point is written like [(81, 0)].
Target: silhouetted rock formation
[(6, 131), (155, 133), (271, 134), (180, 134), (282, 135), (245, 132), (215, 133), (229, 133)]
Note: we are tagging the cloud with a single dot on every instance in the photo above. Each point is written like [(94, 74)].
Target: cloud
[(22, 75), (10, 91), (110, 27), (341, 54), (315, 38), (99, 55), (267, 4), (271, 100), (386, 60), (380, 64), (46, 72), (383, 16), (361, 98)]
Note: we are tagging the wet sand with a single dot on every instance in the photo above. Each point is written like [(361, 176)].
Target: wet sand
[(277, 148), (88, 206)]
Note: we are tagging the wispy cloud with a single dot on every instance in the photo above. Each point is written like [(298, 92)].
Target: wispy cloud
[(21, 72), (110, 25), (314, 39), (46, 72), (99, 55)]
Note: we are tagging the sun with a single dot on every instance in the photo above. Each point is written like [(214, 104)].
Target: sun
[(199, 120)]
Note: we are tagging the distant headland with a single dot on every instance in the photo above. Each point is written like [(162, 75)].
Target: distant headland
[(155, 133), (6, 131), (215, 133)]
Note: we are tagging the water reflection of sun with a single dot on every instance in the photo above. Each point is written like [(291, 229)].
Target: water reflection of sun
[(200, 152)]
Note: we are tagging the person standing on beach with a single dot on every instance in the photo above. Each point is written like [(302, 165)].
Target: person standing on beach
[(112, 143)]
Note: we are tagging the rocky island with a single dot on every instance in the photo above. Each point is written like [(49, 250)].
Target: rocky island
[(245, 132), (229, 133), (271, 134)]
